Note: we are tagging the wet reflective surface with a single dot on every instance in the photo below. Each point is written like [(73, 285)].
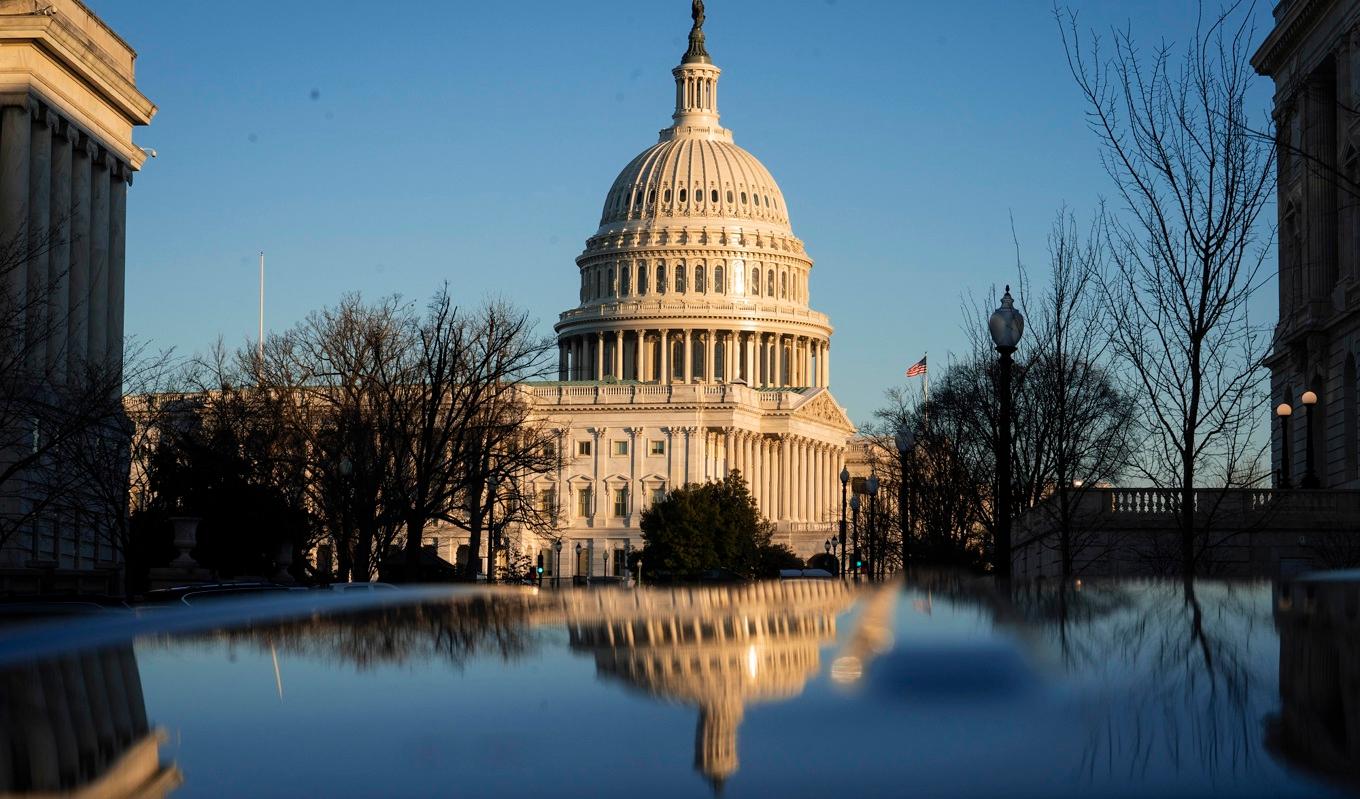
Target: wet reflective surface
[(796, 688)]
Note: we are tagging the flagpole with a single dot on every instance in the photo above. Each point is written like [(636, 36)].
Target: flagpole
[(261, 338)]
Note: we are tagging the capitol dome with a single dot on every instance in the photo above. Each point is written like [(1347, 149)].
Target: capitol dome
[(694, 274)]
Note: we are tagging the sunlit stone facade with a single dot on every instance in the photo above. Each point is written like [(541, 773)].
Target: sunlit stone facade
[(693, 350)]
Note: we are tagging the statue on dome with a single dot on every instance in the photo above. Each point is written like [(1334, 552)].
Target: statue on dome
[(696, 13)]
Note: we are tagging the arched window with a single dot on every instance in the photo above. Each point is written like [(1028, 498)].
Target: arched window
[(625, 281), (642, 278), (699, 279), (783, 285), (609, 283), (755, 281), (660, 278), (729, 196), (651, 197), (713, 195), (599, 289), (682, 195), (667, 196), (743, 198), (718, 280), (679, 278), (769, 283)]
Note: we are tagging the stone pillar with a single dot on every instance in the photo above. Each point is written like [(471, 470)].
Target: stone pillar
[(599, 356), (729, 451), (596, 479), (59, 253), (748, 361), (639, 342), (805, 487), (710, 347), (670, 457), (763, 475), (77, 329), (39, 238), (618, 354), (15, 137), (826, 365), (688, 349), (561, 360), (99, 259), (666, 370), (689, 452), (785, 477)]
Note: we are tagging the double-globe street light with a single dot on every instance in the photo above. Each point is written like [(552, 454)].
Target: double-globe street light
[(1284, 411), (1006, 327), (492, 483), (906, 440), (845, 481), (854, 510), (875, 545), (1310, 478)]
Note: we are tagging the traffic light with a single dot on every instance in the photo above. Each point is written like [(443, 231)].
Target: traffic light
[(859, 561), (540, 571)]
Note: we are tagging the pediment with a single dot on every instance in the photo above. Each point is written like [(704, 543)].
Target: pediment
[(823, 408)]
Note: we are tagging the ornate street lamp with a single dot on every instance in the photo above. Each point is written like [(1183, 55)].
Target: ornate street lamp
[(576, 576), (1284, 411), (1310, 478), (845, 481), (854, 510), (557, 564), (906, 440), (875, 546), (1006, 327)]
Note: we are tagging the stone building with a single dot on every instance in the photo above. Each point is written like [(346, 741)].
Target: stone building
[(693, 350), (1313, 56), (68, 106)]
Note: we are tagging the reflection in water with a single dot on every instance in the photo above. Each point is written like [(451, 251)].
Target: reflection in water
[(719, 649), (1318, 726), (76, 725)]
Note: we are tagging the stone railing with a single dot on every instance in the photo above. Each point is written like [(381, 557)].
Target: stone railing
[(680, 308), (642, 394)]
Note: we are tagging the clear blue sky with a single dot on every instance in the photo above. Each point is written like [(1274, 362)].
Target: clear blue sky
[(387, 146)]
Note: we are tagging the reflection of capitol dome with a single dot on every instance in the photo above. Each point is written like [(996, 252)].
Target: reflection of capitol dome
[(719, 649)]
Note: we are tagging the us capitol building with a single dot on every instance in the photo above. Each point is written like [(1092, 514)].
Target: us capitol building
[(693, 350)]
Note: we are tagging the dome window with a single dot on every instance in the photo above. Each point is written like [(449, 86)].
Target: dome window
[(699, 279), (718, 279), (783, 285), (642, 279), (682, 195), (637, 197), (769, 284), (729, 196), (743, 198), (713, 195), (625, 275), (651, 197), (661, 277), (755, 282), (680, 279), (667, 196)]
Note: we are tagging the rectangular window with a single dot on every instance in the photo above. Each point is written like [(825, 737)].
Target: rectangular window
[(657, 447), (620, 448), (620, 561), (547, 501), (620, 502), (585, 501), (658, 495), (583, 449)]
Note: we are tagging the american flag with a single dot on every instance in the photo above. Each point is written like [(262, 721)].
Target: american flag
[(917, 369)]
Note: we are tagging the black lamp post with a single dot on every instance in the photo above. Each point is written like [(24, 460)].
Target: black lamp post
[(830, 546), (557, 563), (875, 546), (1310, 478), (1006, 327), (492, 483), (906, 439), (854, 510), (579, 577), (1284, 411), (845, 481)]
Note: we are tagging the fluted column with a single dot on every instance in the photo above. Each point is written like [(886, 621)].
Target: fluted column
[(710, 347), (688, 348), (729, 451), (99, 259), (15, 137), (689, 453), (77, 329), (39, 237), (599, 356), (804, 492), (639, 341), (58, 251), (826, 365), (666, 369)]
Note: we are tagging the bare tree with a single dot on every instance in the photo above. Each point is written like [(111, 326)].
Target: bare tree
[(1187, 250)]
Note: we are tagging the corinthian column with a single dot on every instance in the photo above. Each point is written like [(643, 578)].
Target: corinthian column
[(666, 370), (39, 239), (99, 259), (59, 253), (689, 356), (78, 318), (599, 355), (15, 137), (729, 451)]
